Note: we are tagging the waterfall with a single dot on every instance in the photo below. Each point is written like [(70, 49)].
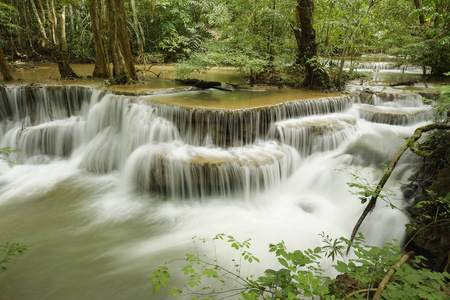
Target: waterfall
[(238, 127), (187, 172), (314, 134), (381, 66), (120, 184)]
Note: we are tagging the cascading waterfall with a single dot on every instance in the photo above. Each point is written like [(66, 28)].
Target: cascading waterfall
[(120, 184), (112, 127), (223, 128), (187, 172), (314, 134), (382, 66)]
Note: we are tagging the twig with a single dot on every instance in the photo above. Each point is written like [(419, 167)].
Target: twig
[(371, 290), (391, 273)]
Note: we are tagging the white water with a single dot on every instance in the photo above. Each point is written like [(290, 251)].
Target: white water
[(107, 191)]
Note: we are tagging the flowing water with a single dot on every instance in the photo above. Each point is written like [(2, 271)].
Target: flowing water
[(108, 187)]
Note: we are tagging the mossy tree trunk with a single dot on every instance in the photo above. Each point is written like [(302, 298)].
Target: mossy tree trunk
[(62, 59), (102, 68), (119, 43)]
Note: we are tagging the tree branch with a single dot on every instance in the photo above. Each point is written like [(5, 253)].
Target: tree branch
[(391, 273), (409, 144)]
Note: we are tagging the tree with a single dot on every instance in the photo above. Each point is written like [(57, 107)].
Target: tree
[(305, 35), (101, 69), (4, 68), (119, 43)]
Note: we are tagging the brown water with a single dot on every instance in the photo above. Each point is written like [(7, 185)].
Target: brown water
[(238, 99), (48, 73), (149, 84)]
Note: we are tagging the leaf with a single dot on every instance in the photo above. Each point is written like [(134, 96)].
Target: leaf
[(283, 262), (156, 287)]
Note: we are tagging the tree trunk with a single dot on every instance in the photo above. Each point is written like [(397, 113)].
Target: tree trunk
[(41, 7), (418, 5), (135, 21), (120, 73), (348, 43), (101, 69), (52, 21), (119, 44), (305, 36), (63, 29), (124, 41), (62, 58), (4, 68), (41, 26)]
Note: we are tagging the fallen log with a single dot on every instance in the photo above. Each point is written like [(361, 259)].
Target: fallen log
[(203, 84), (405, 82)]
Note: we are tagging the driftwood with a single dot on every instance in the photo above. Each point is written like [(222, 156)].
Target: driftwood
[(203, 84), (405, 82)]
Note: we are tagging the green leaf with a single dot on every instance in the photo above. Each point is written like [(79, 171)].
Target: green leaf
[(156, 287), (283, 262)]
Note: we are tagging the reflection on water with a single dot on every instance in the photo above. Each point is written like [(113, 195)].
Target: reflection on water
[(238, 99), (48, 73)]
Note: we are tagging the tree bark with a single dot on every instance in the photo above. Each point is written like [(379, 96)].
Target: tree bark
[(134, 19), (62, 30), (418, 5), (348, 43), (124, 41), (62, 58), (4, 68), (120, 73), (305, 36), (119, 44), (41, 26), (101, 69)]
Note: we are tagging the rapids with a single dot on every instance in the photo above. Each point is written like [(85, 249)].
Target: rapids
[(108, 187)]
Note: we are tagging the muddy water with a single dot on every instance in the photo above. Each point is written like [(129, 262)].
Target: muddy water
[(48, 73), (238, 99)]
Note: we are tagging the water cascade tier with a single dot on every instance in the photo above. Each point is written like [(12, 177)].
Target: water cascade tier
[(187, 172), (120, 184), (395, 115), (239, 127), (315, 133), (182, 152), (383, 66)]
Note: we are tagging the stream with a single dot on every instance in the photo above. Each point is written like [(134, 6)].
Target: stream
[(107, 187)]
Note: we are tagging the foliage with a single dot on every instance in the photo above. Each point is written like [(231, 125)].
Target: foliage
[(361, 187), (432, 209), (5, 152), (300, 274), (8, 251), (443, 103)]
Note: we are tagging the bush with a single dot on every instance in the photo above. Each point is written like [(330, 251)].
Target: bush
[(300, 274)]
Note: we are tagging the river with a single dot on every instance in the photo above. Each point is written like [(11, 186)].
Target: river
[(106, 187)]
